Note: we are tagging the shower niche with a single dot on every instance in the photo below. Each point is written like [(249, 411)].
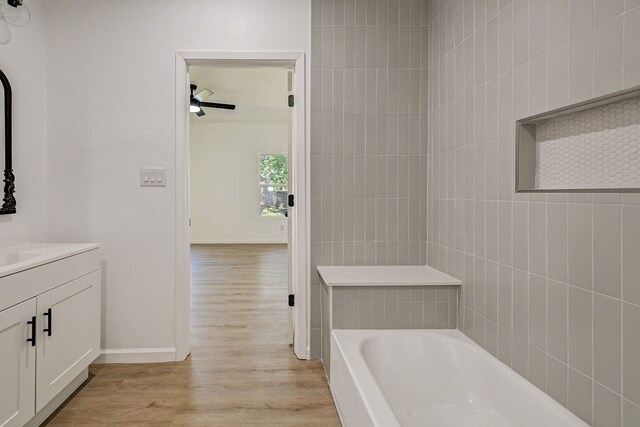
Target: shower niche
[(592, 146)]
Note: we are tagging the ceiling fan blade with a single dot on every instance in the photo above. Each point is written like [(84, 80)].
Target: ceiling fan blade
[(203, 94), (200, 113), (217, 105)]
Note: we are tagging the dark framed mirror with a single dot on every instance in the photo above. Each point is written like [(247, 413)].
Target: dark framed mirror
[(8, 201)]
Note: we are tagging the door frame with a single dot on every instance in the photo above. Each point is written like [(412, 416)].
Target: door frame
[(301, 183)]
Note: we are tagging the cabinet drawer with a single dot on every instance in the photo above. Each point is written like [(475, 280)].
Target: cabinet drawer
[(21, 286)]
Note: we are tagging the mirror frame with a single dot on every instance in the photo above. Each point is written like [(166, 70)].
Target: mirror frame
[(8, 201)]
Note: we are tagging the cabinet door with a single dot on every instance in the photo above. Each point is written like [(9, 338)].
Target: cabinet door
[(73, 339), (17, 364)]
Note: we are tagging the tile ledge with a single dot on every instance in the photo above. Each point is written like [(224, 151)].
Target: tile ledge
[(385, 276)]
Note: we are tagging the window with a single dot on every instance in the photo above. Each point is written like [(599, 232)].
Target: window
[(274, 184)]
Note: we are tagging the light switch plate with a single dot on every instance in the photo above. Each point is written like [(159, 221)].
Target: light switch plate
[(153, 177)]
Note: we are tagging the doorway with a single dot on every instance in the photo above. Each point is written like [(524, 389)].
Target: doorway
[(224, 246), (239, 186)]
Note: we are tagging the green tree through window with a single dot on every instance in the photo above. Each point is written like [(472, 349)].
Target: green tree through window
[(274, 181)]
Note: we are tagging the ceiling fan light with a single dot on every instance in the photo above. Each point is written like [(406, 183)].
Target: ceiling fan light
[(194, 105)]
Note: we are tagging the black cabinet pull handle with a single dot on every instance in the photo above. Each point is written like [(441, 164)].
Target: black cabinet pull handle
[(49, 328), (32, 322)]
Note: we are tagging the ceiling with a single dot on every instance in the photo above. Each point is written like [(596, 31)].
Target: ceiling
[(260, 94)]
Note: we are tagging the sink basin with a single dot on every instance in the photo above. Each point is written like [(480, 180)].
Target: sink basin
[(18, 254), (16, 257)]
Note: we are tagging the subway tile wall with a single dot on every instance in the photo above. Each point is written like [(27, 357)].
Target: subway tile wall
[(395, 307), (386, 307), (368, 137), (551, 281)]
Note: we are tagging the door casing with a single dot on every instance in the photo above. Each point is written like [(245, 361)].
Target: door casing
[(299, 162)]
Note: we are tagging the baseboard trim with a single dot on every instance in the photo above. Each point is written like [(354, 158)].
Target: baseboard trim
[(136, 355), (239, 242)]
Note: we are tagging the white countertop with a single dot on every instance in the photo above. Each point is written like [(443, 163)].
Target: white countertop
[(23, 256), (385, 276)]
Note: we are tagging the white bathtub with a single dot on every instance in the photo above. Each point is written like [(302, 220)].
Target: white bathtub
[(392, 378)]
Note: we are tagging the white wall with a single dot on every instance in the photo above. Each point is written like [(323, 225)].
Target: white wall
[(111, 110), (24, 62), (224, 182)]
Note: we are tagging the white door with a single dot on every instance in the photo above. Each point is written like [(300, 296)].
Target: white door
[(183, 218), (69, 337), (290, 216), (298, 217), (17, 364)]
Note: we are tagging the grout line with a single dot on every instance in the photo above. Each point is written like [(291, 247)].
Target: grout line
[(623, 16), (593, 313), (622, 309), (567, 296)]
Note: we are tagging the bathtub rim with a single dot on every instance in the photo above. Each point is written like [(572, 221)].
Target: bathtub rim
[(361, 375), (352, 340), (385, 417)]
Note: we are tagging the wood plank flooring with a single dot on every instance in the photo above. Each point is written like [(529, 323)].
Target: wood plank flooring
[(241, 370)]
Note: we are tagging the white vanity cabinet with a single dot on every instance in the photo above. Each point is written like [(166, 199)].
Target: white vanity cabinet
[(17, 365), (71, 313), (49, 331)]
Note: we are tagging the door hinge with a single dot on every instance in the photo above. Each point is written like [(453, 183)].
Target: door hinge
[(291, 100), (292, 300), (291, 203)]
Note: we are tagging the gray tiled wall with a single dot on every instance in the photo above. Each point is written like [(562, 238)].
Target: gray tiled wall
[(387, 307), (368, 137), (395, 307), (551, 282)]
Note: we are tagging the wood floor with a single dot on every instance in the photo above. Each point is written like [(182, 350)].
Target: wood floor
[(241, 370)]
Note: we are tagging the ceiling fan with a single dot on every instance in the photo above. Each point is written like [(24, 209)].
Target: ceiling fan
[(197, 102)]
